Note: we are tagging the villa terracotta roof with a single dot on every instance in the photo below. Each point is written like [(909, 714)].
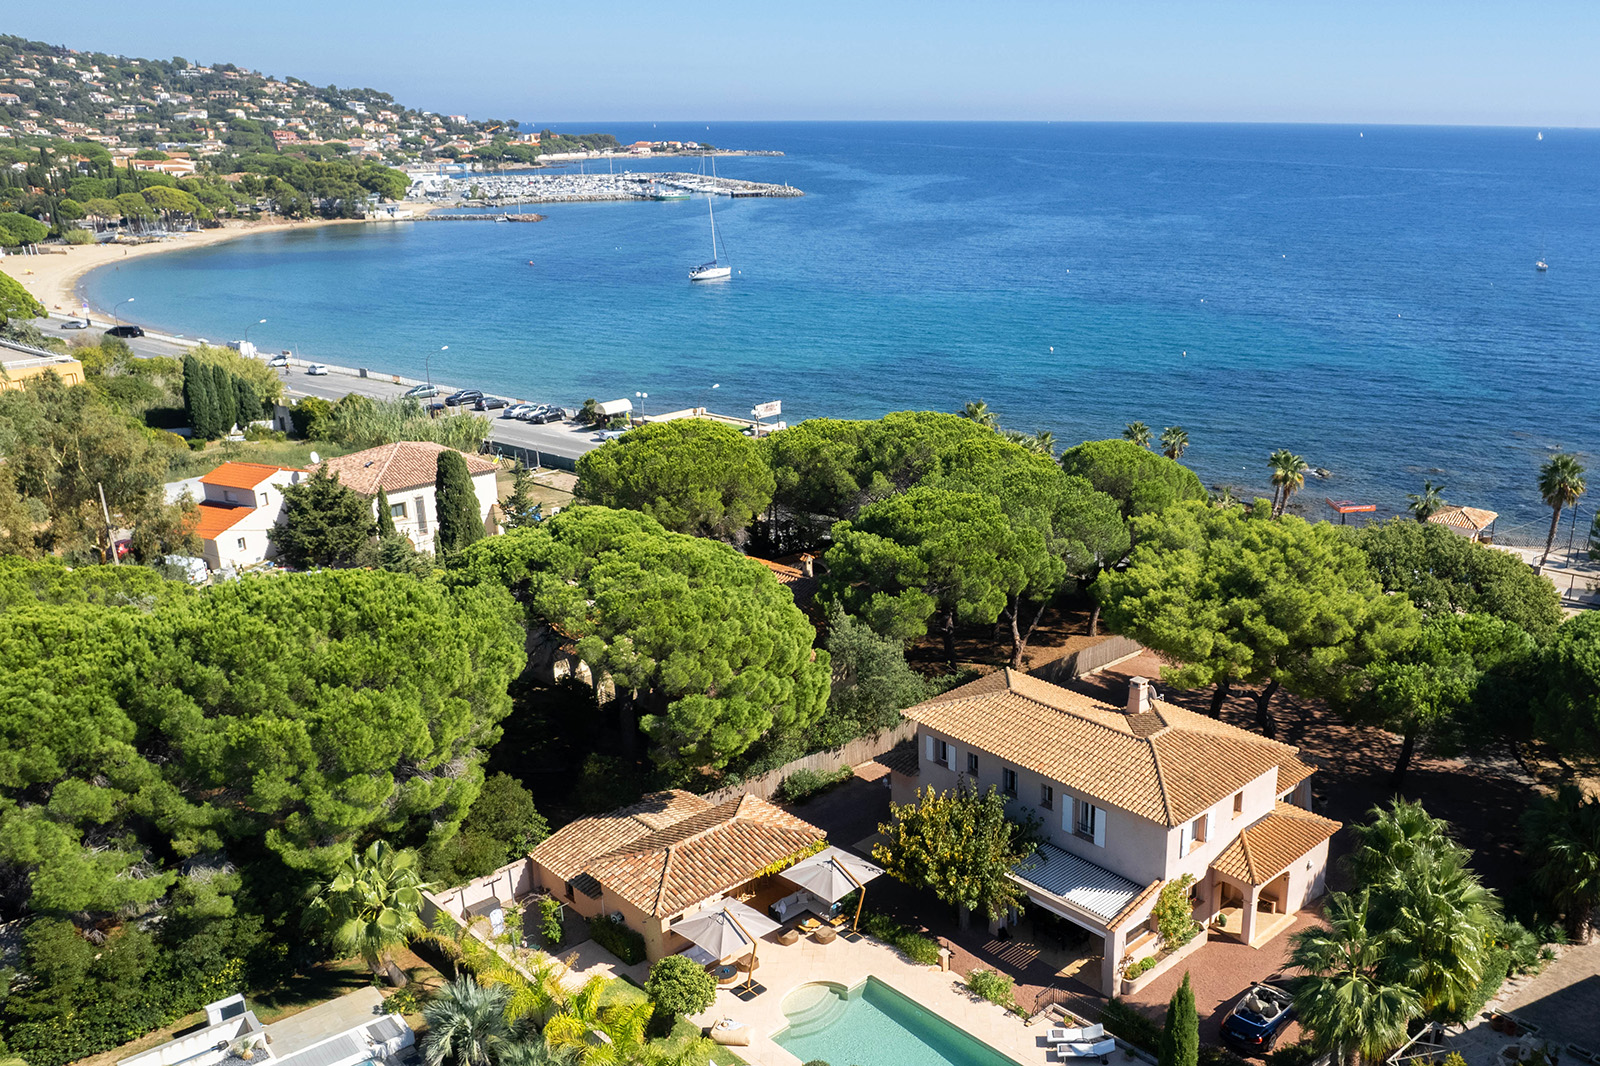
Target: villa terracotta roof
[(1474, 518), (901, 759), (217, 518), (803, 588), (688, 851), (1264, 850), (409, 464), (1166, 764), (242, 475)]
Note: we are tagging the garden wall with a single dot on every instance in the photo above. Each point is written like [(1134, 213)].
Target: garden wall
[(852, 754)]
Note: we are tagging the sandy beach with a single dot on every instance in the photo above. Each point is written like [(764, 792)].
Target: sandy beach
[(52, 278)]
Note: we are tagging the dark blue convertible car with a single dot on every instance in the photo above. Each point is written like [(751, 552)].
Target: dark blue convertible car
[(1254, 1024)]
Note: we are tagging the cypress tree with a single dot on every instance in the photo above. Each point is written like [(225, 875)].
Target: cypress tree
[(385, 519), (246, 402), (1180, 1039), (457, 504), (227, 404), (197, 402)]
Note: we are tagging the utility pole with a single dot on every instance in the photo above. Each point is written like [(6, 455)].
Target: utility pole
[(111, 537)]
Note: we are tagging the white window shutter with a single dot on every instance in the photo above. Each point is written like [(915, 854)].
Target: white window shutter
[(930, 747), (1099, 828), (950, 756), (1185, 838), (1067, 825)]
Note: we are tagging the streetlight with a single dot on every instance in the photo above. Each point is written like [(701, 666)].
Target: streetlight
[(116, 318), (641, 396), (427, 363), (248, 328)]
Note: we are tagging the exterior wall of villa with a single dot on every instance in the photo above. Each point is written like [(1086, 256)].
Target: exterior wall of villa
[(1222, 828)]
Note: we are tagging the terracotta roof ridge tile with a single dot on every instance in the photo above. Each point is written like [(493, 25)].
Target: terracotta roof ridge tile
[(1161, 781)]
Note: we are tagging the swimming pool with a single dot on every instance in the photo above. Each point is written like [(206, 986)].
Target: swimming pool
[(873, 1025)]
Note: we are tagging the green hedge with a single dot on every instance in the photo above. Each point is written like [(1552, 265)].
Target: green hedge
[(618, 939), (1135, 1028), (803, 784), (914, 946)]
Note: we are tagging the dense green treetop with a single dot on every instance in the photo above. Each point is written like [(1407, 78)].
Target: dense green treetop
[(324, 522), (1236, 596), (17, 302), (1442, 571), (1566, 686), (691, 475), (959, 845), (1138, 479), (713, 643)]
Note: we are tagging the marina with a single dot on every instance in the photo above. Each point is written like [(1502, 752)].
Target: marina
[(497, 190)]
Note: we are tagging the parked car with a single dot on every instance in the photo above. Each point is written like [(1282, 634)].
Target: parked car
[(609, 434), (489, 403), (125, 331), (278, 361), (422, 392), (464, 398), (75, 323), (319, 369), (436, 408), (517, 410), (549, 414), (1256, 1022)]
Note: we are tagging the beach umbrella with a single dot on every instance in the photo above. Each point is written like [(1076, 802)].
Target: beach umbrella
[(729, 929), (833, 874)]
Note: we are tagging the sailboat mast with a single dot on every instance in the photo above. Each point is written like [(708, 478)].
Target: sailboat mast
[(713, 215)]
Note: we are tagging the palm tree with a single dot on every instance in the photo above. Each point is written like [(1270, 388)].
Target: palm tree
[(1560, 484), (1563, 835), (1428, 502), (533, 988), (535, 1051), (1342, 1000), (1174, 442), (589, 414), (602, 1034), (978, 411), (1137, 432), (1044, 443), (1288, 477), (371, 904), (466, 1025)]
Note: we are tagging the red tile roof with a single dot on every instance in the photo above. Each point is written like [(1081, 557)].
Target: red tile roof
[(396, 467), (217, 518), (242, 475), (1269, 847)]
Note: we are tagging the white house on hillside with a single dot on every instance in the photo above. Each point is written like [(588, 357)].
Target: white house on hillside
[(242, 502), (406, 472)]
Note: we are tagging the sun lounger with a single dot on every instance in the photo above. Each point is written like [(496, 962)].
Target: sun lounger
[(1099, 1049), (1085, 1034), (729, 1033)]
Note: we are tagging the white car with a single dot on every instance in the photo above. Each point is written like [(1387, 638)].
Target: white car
[(517, 410), (75, 323), (278, 361), (319, 369), (422, 392), (609, 434)]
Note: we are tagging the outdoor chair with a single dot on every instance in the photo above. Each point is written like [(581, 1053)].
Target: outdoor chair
[(827, 934), (1083, 1034), (1099, 1049), (789, 936)]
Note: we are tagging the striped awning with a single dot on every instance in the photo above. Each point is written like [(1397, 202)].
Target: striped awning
[(1078, 882)]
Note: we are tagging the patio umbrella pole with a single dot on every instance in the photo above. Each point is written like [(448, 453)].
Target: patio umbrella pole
[(751, 984), (861, 896)]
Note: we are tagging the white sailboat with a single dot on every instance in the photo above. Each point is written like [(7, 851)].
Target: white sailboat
[(716, 269)]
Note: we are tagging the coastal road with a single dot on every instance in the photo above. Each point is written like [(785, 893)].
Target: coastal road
[(566, 440)]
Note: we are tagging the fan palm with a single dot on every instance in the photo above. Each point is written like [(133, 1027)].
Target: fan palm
[(1428, 502), (978, 411), (601, 1033), (533, 988), (1563, 834), (1560, 484), (1044, 443), (1288, 477), (1342, 1000), (466, 1025), (1137, 432), (371, 906), (535, 1051), (1174, 442)]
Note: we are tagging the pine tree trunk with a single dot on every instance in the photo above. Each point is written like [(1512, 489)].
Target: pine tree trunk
[(1269, 728), (1408, 744), (1220, 696), (1017, 639), (1094, 620), (949, 628)]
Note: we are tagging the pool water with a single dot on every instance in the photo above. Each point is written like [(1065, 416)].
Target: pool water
[(873, 1025)]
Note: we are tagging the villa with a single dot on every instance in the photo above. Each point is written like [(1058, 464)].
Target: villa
[(1131, 798), (406, 473), (240, 505)]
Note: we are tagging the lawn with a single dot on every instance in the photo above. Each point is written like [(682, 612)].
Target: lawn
[(270, 452), (551, 488)]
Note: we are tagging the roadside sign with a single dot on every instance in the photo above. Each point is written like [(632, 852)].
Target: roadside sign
[(767, 410)]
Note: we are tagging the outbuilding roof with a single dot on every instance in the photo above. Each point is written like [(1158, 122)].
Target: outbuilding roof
[(1165, 764), (1267, 848), (408, 464), (217, 518), (1474, 519)]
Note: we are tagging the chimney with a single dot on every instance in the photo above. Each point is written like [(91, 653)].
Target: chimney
[(1138, 695), (807, 565)]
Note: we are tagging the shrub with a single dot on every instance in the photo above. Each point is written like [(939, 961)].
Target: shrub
[(678, 986), (78, 236), (1292, 1055), (1174, 915), (617, 938), (803, 784), (914, 946), (1135, 1028), (1495, 968), (1140, 968), (255, 432), (550, 920), (405, 1000), (1212, 1055), (994, 987)]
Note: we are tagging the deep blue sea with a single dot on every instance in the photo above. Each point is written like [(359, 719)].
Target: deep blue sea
[(1364, 296)]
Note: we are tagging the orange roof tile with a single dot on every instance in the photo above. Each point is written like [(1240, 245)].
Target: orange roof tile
[(242, 475), (1167, 764), (1473, 518), (395, 467), (1269, 847), (216, 518), (567, 851)]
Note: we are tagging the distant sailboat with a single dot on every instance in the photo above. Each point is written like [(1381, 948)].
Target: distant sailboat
[(715, 269)]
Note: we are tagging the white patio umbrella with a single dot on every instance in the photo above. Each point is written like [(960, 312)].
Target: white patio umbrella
[(833, 874), (731, 928)]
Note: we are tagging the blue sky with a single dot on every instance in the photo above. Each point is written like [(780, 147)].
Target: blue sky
[(1402, 61)]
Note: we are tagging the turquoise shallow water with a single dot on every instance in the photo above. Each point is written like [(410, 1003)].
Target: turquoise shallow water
[(874, 1025), (1368, 301)]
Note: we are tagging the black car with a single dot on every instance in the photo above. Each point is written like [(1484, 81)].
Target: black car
[(552, 414), (125, 331), (1256, 1022), (489, 403), (464, 398)]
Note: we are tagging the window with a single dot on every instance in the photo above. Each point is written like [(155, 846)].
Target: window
[(1092, 823), (1198, 831), (229, 496), (942, 750), (241, 544), (1238, 804), (422, 516), (972, 762), (261, 498), (1008, 780), (397, 510), (1047, 797)]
